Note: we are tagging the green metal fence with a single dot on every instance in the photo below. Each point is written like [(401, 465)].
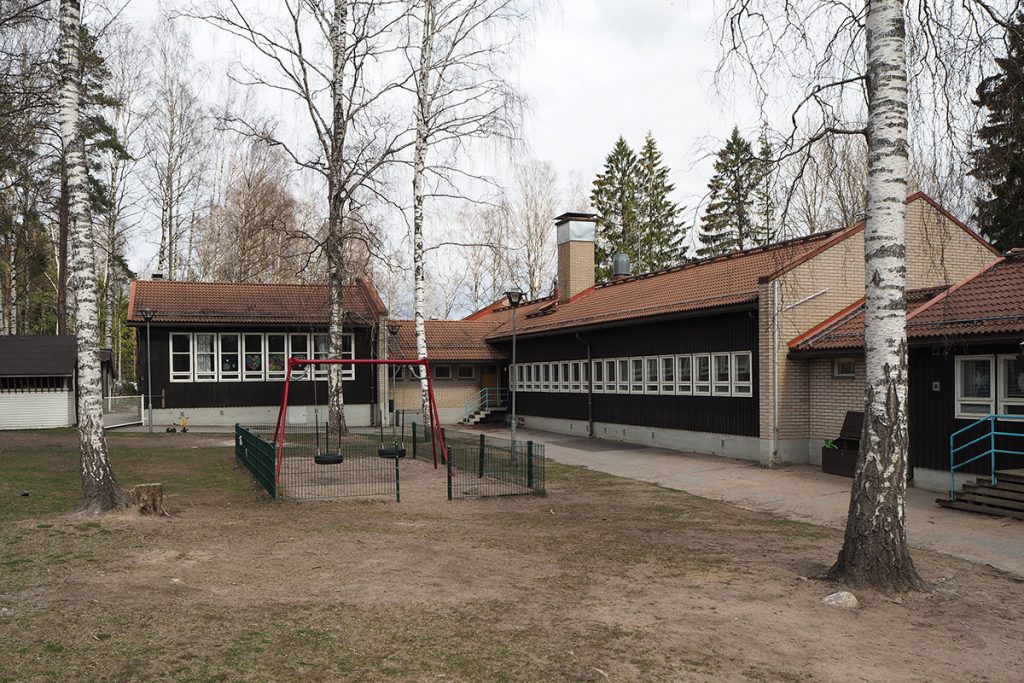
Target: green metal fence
[(257, 455), (482, 465)]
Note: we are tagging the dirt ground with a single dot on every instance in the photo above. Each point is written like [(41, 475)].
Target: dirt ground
[(601, 579)]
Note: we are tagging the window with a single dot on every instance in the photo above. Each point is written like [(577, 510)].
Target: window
[(577, 374), (528, 377), (322, 351), (230, 358), (742, 380), (623, 375), (598, 374), (469, 372), (206, 357), (276, 355), (636, 385), (181, 357), (720, 386), (520, 377), (546, 377), (844, 368), (1011, 382), (565, 376), (702, 370), (253, 357), (651, 375), (609, 377), (974, 390), (668, 374), (555, 374), (298, 347), (684, 375), (442, 372)]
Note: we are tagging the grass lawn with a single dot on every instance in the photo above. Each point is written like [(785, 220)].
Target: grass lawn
[(601, 579)]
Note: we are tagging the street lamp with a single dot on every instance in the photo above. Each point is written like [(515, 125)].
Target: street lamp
[(147, 315), (515, 298), (393, 328)]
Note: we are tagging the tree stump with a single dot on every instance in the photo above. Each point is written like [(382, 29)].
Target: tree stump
[(149, 499)]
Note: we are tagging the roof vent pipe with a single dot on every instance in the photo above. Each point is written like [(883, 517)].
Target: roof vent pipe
[(621, 268)]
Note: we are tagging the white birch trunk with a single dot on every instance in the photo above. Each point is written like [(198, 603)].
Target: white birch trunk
[(423, 101), (875, 551), (336, 220), (100, 490)]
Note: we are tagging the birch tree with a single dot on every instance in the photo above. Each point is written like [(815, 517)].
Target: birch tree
[(856, 57), (100, 489), (330, 57), (462, 96)]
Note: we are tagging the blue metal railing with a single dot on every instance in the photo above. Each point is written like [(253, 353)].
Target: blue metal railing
[(488, 397), (988, 441)]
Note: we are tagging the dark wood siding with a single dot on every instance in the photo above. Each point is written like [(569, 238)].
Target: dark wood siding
[(169, 394), (734, 331), (931, 412)]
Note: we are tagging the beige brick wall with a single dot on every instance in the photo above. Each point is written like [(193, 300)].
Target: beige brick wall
[(938, 252), (575, 268), (831, 397), (449, 393)]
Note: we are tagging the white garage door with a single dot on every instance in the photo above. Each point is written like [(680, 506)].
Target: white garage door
[(36, 410)]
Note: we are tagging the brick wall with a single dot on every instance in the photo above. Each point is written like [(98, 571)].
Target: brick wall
[(831, 397), (575, 268), (938, 252), (449, 393)]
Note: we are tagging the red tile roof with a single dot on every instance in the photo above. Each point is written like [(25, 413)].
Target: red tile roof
[(217, 303), (448, 340), (721, 281), (988, 303)]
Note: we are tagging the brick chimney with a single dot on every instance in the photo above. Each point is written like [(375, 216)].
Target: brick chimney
[(575, 254)]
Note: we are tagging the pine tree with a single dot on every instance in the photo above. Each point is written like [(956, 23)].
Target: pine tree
[(615, 199), (659, 232), (999, 164), (764, 197), (729, 220)]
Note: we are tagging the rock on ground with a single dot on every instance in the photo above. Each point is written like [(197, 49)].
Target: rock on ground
[(842, 600)]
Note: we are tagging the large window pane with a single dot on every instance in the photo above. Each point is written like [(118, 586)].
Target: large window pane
[(976, 378), (253, 356), (230, 358), (206, 368)]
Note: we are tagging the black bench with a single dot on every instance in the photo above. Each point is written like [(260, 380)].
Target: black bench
[(840, 456)]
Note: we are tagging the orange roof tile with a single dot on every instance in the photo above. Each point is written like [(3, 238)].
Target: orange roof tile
[(217, 303), (448, 340), (990, 302)]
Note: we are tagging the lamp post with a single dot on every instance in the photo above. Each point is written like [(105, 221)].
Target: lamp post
[(393, 328), (515, 297), (147, 315)]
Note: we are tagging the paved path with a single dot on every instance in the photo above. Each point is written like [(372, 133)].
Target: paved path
[(800, 492)]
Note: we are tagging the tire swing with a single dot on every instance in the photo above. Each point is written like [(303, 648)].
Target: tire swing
[(322, 457)]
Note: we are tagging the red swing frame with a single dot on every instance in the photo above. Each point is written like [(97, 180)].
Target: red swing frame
[(436, 438)]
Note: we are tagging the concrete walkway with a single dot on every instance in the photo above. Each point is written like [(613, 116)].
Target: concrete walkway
[(799, 492)]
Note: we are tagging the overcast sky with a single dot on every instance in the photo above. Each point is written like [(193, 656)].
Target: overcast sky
[(594, 70)]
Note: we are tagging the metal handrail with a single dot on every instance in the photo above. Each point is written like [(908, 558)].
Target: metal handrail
[(990, 452), (487, 397)]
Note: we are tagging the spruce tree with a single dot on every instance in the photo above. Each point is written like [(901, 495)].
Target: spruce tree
[(615, 199), (659, 231), (729, 219), (999, 163), (764, 196)]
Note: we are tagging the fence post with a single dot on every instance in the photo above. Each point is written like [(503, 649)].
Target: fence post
[(529, 464), (482, 437), (398, 493), (449, 460), (413, 440)]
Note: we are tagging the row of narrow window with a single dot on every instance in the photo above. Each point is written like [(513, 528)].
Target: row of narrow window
[(250, 356), (695, 374)]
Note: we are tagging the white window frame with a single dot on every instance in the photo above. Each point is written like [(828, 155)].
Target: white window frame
[(652, 375), (667, 379), (636, 383), (211, 375), (701, 387), (684, 388), (252, 375), (306, 371), (623, 380), (961, 399), (275, 375), (742, 388), (718, 387), (221, 375), (611, 378), (1007, 402), (545, 369), (518, 383), (576, 376), (597, 370), (837, 374), (180, 376), (565, 377)]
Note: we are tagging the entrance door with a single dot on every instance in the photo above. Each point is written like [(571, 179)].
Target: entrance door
[(488, 377)]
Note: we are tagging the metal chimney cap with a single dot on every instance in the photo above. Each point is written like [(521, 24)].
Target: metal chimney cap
[(621, 266), (156, 276), (574, 216)]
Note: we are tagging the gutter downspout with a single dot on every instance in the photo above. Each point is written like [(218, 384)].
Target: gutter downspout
[(590, 388), (773, 457)]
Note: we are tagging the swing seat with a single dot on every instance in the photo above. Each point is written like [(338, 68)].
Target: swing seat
[(328, 458), (392, 453)]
